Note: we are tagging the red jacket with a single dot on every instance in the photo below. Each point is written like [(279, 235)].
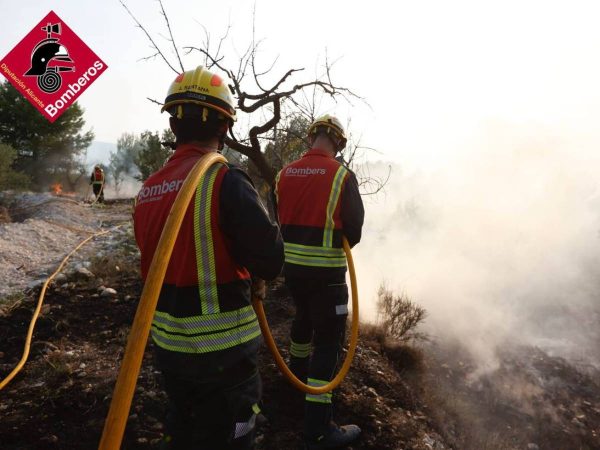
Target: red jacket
[(153, 204), (204, 319), (97, 176), (318, 202)]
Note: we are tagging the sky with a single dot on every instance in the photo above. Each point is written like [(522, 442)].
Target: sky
[(487, 112), (433, 72)]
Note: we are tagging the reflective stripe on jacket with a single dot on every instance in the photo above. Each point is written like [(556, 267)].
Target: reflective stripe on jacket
[(317, 203)]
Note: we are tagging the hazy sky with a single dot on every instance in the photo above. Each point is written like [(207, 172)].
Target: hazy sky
[(434, 72)]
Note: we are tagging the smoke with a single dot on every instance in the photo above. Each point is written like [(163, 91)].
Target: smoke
[(128, 187), (501, 244)]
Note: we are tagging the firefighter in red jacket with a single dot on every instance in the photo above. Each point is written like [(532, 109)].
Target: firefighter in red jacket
[(205, 330), (318, 203), (97, 182)]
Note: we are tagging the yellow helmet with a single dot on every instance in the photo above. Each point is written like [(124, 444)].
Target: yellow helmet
[(199, 87), (331, 124)]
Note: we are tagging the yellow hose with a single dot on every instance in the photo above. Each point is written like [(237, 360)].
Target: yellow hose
[(264, 326), (114, 426), (38, 308)]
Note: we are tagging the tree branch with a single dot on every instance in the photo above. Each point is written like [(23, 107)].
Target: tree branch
[(164, 14), (155, 101), (214, 62), (158, 51), (264, 104)]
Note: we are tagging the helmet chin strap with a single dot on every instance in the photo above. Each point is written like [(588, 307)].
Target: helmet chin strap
[(223, 136), (336, 141), (338, 144)]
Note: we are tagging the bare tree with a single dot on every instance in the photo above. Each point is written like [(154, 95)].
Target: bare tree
[(269, 103)]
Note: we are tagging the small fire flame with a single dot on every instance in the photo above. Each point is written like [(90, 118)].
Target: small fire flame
[(56, 188)]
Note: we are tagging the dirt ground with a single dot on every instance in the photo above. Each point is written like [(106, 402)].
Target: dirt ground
[(61, 398), (403, 397), (531, 401), (36, 229)]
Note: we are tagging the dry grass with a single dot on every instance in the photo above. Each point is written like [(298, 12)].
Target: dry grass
[(398, 318), (4, 216), (399, 315), (403, 356), (10, 302)]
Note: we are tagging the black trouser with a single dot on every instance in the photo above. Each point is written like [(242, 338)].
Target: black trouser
[(99, 192), (321, 313), (214, 415)]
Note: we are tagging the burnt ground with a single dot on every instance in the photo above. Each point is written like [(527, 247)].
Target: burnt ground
[(530, 401), (434, 397), (61, 397)]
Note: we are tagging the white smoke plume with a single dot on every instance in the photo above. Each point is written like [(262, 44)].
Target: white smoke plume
[(128, 187), (500, 244)]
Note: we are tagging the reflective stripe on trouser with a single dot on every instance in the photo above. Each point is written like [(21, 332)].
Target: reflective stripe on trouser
[(300, 350), (307, 255), (300, 359), (320, 398), (243, 428), (219, 331)]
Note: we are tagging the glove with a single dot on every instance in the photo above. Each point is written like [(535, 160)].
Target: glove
[(258, 289)]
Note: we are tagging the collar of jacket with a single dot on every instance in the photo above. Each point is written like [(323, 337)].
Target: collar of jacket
[(186, 150), (318, 152)]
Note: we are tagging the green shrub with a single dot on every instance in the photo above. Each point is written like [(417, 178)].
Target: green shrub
[(10, 178)]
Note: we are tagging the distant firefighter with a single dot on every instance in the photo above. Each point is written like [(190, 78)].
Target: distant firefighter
[(97, 182)]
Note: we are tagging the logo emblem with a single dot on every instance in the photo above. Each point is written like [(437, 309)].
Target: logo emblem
[(51, 66), (46, 51)]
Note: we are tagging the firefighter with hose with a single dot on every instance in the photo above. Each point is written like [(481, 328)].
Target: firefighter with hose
[(318, 203), (205, 330), (97, 182)]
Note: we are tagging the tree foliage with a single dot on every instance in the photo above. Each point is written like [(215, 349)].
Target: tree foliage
[(289, 141), (152, 153), (140, 156), (9, 178), (46, 152)]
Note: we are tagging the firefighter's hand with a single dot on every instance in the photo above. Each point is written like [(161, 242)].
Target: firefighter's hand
[(259, 289)]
